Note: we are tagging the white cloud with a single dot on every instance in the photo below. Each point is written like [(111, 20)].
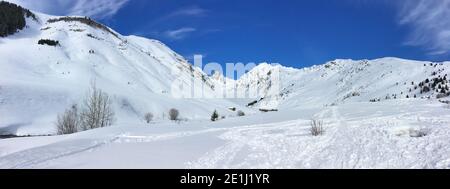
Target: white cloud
[(429, 22), (99, 9), (179, 33), (188, 11)]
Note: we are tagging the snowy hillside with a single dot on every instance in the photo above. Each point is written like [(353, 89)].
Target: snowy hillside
[(383, 113), (402, 134), (38, 81), (342, 81)]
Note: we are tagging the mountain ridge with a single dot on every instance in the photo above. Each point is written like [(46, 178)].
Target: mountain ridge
[(144, 75)]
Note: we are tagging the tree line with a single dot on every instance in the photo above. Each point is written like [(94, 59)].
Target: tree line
[(12, 18)]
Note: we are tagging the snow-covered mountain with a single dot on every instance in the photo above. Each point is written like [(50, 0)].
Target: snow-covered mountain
[(39, 80), (342, 81), (50, 64), (383, 113)]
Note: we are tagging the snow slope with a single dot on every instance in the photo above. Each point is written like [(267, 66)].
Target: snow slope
[(39, 81), (341, 81), (381, 135), (376, 113)]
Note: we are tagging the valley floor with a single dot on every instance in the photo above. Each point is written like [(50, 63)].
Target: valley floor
[(358, 135)]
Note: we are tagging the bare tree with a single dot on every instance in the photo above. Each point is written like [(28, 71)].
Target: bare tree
[(68, 122), (148, 117), (173, 114), (317, 128), (97, 111)]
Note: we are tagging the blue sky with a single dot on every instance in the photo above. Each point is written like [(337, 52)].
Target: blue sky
[(290, 32)]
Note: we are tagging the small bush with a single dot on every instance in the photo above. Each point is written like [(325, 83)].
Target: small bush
[(173, 114), (148, 117), (240, 113), (68, 122), (252, 103), (268, 110), (317, 128), (417, 133), (441, 95), (48, 42), (93, 36), (425, 89), (215, 116)]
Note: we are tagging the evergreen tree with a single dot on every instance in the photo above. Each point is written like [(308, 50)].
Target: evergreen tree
[(215, 116), (12, 18)]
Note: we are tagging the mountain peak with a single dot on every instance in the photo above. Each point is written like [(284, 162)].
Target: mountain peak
[(53, 62), (84, 20)]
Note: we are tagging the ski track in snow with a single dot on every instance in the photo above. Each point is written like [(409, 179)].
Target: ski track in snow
[(258, 144), (39, 82), (41, 155), (366, 142), (344, 145)]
